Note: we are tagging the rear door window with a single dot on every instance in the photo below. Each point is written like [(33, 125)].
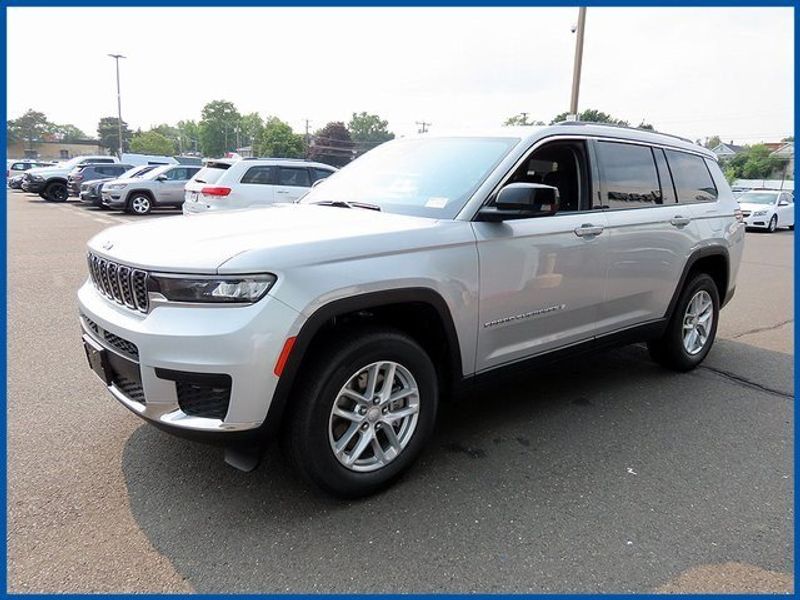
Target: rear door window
[(693, 181), (294, 177), (260, 175), (630, 178), (318, 174)]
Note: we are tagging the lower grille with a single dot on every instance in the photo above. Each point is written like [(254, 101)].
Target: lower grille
[(122, 344), (130, 387), (203, 400)]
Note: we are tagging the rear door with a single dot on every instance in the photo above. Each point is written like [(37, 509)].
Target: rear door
[(255, 188), (650, 234), (292, 183)]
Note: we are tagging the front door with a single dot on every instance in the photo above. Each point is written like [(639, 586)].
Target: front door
[(542, 279)]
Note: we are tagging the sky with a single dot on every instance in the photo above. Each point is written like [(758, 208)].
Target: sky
[(695, 72)]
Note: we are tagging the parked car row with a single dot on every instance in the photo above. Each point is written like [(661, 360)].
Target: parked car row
[(218, 185)]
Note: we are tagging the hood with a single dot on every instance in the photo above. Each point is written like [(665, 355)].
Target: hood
[(48, 171), (274, 237), (754, 207)]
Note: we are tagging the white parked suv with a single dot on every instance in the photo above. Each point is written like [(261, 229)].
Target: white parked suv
[(767, 209), (341, 322), (226, 184)]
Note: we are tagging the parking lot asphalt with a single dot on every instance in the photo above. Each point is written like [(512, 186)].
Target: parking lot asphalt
[(607, 474)]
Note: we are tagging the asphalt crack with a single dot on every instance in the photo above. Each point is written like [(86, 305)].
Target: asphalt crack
[(762, 329), (747, 382)]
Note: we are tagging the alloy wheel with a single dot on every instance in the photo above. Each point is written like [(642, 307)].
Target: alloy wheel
[(140, 205), (374, 416), (697, 322)]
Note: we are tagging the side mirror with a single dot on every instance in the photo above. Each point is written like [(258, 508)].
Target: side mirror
[(783, 203), (161, 178), (522, 201)]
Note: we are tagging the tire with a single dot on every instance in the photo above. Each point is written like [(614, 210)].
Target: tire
[(773, 224), (672, 350), (313, 430), (139, 204), (56, 192), (791, 227)]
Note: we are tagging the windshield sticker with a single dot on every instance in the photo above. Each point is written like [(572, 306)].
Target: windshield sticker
[(436, 202)]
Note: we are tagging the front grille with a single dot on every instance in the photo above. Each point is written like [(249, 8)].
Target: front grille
[(122, 284), (203, 400), (122, 345)]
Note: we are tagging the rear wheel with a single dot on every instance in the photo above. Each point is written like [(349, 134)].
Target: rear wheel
[(692, 328), (56, 192), (140, 204), (366, 408)]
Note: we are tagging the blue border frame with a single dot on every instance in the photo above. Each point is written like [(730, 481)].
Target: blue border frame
[(351, 3)]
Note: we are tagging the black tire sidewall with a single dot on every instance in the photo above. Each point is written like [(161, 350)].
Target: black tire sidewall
[(682, 358), (50, 192), (310, 441), (773, 228)]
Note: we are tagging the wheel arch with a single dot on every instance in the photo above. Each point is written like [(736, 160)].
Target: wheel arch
[(396, 307), (713, 260)]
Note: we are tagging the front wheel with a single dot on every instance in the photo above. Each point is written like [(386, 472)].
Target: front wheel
[(140, 204), (56, 192), (691, 331), (773, 224), (366, 408)]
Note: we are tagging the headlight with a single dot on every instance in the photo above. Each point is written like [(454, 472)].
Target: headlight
[(759, 213), (241, 288), (37, 178), (117, 186)]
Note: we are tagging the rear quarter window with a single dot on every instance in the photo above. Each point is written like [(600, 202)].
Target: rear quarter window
[(693, 181)]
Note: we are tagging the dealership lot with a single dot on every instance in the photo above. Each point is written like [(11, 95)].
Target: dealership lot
[(605, 474)]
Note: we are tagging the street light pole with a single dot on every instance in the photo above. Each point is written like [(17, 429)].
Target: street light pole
[(116, 58), (576, 70)]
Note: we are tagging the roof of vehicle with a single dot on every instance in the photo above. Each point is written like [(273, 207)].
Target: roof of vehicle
[(532, 133), (289, 162)]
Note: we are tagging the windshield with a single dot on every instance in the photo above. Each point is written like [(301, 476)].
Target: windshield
[(135, 172), (758, 198), (156, 171), (431, 177)]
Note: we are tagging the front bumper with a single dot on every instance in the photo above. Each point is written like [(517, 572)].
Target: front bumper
[(240, 343), (33, 187), (113, 199), (89, 197), (761, 221)]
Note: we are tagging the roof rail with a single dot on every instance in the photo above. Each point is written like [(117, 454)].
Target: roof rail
[(275, 158), (677, 137)]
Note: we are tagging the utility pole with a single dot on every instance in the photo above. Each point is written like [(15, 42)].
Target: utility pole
[(116, 58), (423, 126), (576, 70), (308, 139)]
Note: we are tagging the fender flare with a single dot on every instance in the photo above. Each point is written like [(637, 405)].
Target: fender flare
[(698, 254), (325, 313)]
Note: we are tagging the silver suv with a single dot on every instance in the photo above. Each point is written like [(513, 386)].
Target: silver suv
[(161, 187), (341, 322)]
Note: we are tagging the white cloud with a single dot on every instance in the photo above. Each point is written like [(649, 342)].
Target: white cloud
[(690, 71)]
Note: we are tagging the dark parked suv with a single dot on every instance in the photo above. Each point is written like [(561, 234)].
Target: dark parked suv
[(83, 173)]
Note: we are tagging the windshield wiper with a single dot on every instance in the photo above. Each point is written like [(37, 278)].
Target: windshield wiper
[(345, 204)]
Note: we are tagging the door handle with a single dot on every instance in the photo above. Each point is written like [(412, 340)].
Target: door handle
[(679, 221), (281, 192), (588, 230)]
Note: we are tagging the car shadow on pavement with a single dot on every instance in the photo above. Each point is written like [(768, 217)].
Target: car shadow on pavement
[(603, 474)]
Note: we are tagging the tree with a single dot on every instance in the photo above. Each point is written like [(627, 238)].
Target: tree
[(152, 142), (30, 127), (108, 134), (332, 145), (590, 115), (788, 139), (279, 141), (645, 126), (218, 128), (188, 136), (368, 131), (68, 133), (754, 162), (713, 142), (521, 119), (252, 128)]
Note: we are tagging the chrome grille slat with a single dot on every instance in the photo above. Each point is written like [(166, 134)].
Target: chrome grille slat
[(120, 283)]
